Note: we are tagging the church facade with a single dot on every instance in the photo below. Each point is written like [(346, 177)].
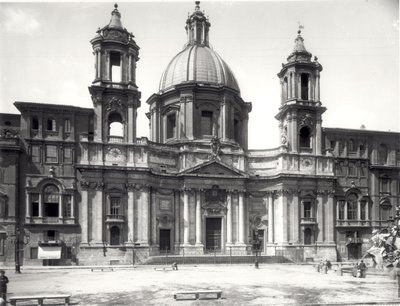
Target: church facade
[(79, 187)]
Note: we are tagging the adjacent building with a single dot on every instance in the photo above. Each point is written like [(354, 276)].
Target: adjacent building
[(79, 187)]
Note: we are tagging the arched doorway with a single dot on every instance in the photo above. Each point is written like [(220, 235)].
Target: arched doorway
[(308, 236)]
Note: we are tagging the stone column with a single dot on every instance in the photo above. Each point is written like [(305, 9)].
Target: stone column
[(330, 221), (317, 87), (294, 132), (60, 206), (153, 219), (83, 215), (177, 202), (229, 219), (73, 206), (320, 218), (28, 205), (241, 218), (271, 218), (40, 205), (145, 215), (186, 217), (295, 225), (366, 210), (199, 238), (98, 214), (358, 210), (129, 67), (131, 216), (345, 210)]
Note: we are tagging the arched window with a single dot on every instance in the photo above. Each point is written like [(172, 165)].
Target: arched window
[(304, 86), (352, 207), (382, 154), (51, 198), (115, 127), (305, 137), (308, 236), (114, 235)]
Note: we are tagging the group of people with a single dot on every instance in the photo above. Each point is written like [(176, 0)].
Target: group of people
[(359, 269), (324, 266)]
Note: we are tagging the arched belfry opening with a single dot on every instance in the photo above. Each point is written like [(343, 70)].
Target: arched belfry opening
[(115, 127), (304, 86), (305, 137)]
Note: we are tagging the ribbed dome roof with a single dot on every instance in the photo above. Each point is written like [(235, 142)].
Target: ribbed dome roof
[(198, 63)]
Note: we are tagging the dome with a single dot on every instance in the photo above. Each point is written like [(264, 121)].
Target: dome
[(200, 64)]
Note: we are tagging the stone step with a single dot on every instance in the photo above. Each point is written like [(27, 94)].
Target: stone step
[(211, 259)]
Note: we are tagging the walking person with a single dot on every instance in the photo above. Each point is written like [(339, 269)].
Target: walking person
[(3, 285)]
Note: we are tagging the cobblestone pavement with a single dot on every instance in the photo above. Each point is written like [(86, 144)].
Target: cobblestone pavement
[(272, 284)]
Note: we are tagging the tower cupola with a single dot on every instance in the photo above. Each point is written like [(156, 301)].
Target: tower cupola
[(300, 114), (114, 91)]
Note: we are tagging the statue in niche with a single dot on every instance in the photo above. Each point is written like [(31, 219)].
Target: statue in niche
[(215, 147)]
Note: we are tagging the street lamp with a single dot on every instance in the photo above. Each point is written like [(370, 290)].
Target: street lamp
[(17, 243)]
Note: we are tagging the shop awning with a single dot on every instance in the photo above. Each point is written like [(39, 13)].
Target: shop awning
[(49, 252)]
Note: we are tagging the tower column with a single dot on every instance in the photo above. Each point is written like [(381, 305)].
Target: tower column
[(40, 205), (177, 202), (320, 218), (145, 216), (98, 214), (318, 138)]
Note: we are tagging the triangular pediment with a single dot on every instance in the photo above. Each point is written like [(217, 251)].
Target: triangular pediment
[(214, 168)]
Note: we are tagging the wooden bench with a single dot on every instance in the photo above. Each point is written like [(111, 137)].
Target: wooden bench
[(40, 298), (196, 294), (102, 269), (163, 269)]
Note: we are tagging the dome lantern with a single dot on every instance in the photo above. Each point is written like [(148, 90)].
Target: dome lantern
[(197, 27)]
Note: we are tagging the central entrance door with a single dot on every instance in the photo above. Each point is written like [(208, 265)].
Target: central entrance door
[(165, 240), (213, 234)]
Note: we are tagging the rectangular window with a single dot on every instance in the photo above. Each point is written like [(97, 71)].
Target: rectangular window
[(3, 207), (67, 155), (67, 206), (50, 235), (363, 170), (115, 205), (51, 125), (341, 210), (352, 169), (363, 210), (171, 126), (341, 169), (307, 209), (352, 210), (385, 185), (2, 245), (115, 67), (67, 253), (35, 205), (34, 253), (35, 154), (51, 154), (206, 123), (67, 125)]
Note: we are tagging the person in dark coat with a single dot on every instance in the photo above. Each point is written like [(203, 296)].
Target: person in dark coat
[(3, 284)]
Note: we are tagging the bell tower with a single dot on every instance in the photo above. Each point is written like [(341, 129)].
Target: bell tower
[(300, 114), (114, 91)]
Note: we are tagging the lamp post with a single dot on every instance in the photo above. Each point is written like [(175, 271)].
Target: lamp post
[(17, 243)]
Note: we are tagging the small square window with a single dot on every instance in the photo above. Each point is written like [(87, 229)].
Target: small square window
[(34, 253)]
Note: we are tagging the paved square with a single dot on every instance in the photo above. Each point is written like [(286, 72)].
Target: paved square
[(241, 285)]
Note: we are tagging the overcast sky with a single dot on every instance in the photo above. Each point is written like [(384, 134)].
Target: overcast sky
[(45, 54)]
